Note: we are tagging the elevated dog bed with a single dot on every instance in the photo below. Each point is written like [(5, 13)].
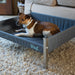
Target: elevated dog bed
[(45, 44)]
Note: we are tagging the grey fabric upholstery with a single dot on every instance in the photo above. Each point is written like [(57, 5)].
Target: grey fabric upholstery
[(66, 2), (60, 38), (57, 11)]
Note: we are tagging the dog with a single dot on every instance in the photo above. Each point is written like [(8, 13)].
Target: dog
[(34, 27)]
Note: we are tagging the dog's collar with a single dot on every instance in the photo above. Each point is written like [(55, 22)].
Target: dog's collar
[(32, 24), (29, 23)]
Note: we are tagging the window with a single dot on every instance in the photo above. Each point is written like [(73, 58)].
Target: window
[(2, 1)]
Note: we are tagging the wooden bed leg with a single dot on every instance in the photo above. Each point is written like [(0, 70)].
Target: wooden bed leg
[(45, 52)]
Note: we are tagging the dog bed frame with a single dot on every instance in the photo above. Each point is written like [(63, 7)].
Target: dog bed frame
[(46, 44)]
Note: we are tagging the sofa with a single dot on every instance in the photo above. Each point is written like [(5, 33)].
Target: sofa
[(59, 12)]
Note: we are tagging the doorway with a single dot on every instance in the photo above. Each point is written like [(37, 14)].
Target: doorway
[(5, 7)]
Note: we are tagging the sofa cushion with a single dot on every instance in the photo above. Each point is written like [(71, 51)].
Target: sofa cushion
[(42, 2), (66, 2), (46, 2), (57, 11), (28, 4), (27, 8)]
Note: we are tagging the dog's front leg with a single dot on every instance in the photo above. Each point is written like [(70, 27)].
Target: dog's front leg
[(24, 34), (19, 30)]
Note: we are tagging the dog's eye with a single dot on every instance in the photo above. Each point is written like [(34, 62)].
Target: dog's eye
[(22, 19)]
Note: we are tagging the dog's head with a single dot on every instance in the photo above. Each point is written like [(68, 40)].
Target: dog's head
[(23, 19)]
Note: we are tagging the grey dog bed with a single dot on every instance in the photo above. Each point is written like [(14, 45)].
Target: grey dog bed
[(41, 44)]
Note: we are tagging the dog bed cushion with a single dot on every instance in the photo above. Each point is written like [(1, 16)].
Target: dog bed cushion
[(67, 2), (57, 11)]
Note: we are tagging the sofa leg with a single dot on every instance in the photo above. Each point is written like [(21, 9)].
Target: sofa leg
[(45, 52)]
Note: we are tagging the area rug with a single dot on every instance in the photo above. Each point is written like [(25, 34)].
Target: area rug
[(18, 60)]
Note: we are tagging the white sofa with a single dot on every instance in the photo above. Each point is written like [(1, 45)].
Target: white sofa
[(63, 8), (59, 11)]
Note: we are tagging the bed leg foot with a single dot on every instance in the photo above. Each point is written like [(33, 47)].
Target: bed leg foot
[(45, 52)]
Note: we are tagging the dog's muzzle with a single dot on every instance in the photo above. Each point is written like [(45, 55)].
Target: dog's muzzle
[(17, 23)]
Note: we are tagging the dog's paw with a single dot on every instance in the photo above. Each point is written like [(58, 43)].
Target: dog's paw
[(16, 30), (16, 34)]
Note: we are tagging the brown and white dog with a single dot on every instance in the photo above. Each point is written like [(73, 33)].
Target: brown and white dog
[(34, 27)]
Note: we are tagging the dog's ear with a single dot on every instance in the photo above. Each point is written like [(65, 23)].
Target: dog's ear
[(27, 16), (20, 13)]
